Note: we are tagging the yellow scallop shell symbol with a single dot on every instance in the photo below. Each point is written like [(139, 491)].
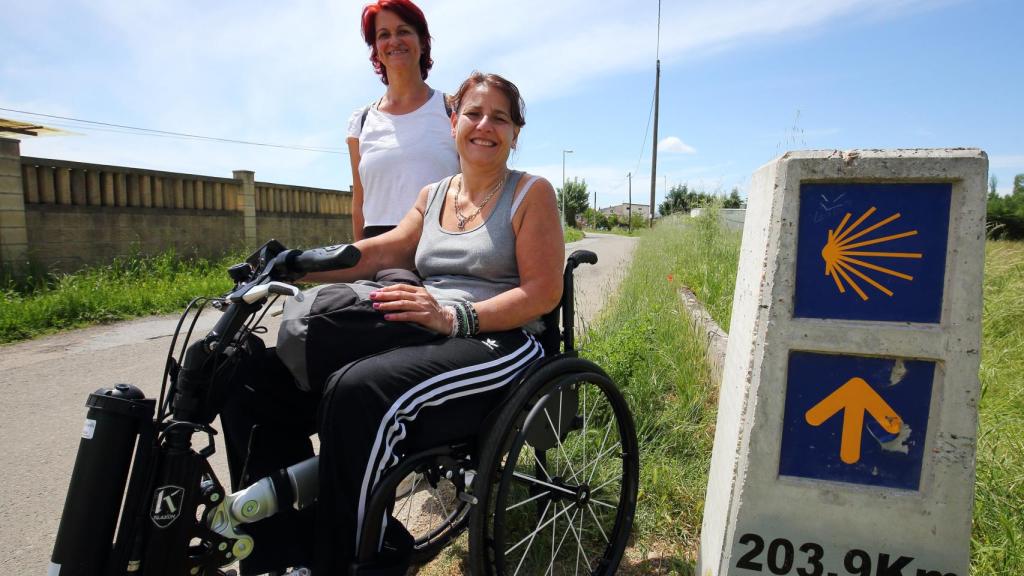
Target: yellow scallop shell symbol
[(842, 257)]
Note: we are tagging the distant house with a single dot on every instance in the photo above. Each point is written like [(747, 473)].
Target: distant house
[(623, 210)]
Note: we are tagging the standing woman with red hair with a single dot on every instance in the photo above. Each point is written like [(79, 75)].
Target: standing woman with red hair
[(403, 141)]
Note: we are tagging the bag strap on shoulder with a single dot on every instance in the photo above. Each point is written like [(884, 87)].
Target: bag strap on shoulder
[(444, 98)]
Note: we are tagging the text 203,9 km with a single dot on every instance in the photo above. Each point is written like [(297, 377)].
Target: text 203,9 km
[(782, 557)]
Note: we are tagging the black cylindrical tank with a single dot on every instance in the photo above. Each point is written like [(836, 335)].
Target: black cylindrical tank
[(86, 531)]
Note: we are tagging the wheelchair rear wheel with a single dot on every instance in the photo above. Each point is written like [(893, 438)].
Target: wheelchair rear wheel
[(558, 479)]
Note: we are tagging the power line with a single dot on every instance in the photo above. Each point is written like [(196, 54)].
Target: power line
[(643, 143), (135, 130)]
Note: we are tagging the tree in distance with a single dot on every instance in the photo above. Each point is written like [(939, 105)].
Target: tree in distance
[(576, 199), (1005, 218), (682, 198)]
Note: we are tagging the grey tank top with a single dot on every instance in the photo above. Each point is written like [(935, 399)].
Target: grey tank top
[(473, 265)]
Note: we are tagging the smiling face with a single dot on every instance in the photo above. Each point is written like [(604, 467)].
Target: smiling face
[(483, 128), (396, 41)]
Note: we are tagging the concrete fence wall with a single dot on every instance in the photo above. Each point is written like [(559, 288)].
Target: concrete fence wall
[(731, 217), (64, 215)]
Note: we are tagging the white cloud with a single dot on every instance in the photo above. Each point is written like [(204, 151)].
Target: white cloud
[(293, 73), (673, 144), (579, 44)]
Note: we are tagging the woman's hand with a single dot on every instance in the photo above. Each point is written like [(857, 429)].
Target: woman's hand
[(405, 303)]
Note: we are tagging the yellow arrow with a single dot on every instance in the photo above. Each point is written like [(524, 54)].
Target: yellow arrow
[(855, 397)]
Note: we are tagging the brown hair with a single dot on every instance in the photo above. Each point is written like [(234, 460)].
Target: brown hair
[(495, 81)]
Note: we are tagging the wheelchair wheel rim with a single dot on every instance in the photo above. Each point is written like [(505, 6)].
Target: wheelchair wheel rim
[(567, 508)]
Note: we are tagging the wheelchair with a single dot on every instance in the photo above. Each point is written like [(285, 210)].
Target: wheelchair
[(549, 487)]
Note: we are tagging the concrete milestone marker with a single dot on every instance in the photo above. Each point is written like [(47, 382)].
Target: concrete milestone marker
[(848, 408)]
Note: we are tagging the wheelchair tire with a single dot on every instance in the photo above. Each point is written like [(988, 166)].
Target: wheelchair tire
[(558, 477)]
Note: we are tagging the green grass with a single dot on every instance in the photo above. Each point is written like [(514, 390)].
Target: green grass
[(997, 544), (573, 234), (129, 287), (645, 341)]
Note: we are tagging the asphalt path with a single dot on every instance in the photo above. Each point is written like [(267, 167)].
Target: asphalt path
[(44, 384)]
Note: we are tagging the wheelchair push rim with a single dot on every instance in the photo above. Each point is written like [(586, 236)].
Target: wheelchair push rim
[(566, 481)]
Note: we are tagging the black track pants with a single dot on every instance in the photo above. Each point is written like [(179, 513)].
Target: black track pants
[(377, 409), (373, 411), (267, 423)]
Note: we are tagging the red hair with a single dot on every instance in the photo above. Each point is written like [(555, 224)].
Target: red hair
[(408, 13)]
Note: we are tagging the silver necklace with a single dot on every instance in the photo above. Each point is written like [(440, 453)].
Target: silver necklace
[(462, 218)]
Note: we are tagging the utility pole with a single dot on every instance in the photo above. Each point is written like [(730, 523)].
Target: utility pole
[(657, 89), (629, 207), (595, 209), (564, 152)]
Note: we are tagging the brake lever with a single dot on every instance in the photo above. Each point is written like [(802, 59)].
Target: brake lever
[(257, 293)]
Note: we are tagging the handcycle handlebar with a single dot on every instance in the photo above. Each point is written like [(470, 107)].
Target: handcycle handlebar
[(273, 261), (327, 258), (293, 264)]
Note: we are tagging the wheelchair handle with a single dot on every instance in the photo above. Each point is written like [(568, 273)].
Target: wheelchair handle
[(582, 257), (568, 297)]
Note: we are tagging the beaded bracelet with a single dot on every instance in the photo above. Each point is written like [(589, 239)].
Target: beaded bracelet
[(469, 315), (465, 321), (474, 319), (453, 317)]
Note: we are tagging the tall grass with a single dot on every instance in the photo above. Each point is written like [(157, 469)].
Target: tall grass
[(571, 234), (129, 287), (997, 544), (646, 343)]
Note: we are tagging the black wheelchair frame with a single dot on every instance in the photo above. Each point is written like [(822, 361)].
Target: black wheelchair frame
[(142, 500)]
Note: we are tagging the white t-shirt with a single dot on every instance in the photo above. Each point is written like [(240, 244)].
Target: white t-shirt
[(399, 155)]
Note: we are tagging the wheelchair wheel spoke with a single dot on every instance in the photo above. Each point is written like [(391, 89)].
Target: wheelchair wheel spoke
[(530, 537), (561, 447), (597, 522), (580, 548), (600, 451), (407, 499), (541, 465), (440, 500), (530, 499), (560, 413), (556, 550), (540, 528), (584, 426), (598, 489), (532, 480)]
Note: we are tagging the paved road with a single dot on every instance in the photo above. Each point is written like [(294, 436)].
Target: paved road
[(44, 384)]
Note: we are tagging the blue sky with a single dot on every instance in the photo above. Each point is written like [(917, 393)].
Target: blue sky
[(742, 82)]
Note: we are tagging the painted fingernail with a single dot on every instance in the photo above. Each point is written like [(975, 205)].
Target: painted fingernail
[(376, 305)]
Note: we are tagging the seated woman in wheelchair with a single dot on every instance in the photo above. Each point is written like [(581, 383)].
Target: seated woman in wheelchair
[(409, 366)]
